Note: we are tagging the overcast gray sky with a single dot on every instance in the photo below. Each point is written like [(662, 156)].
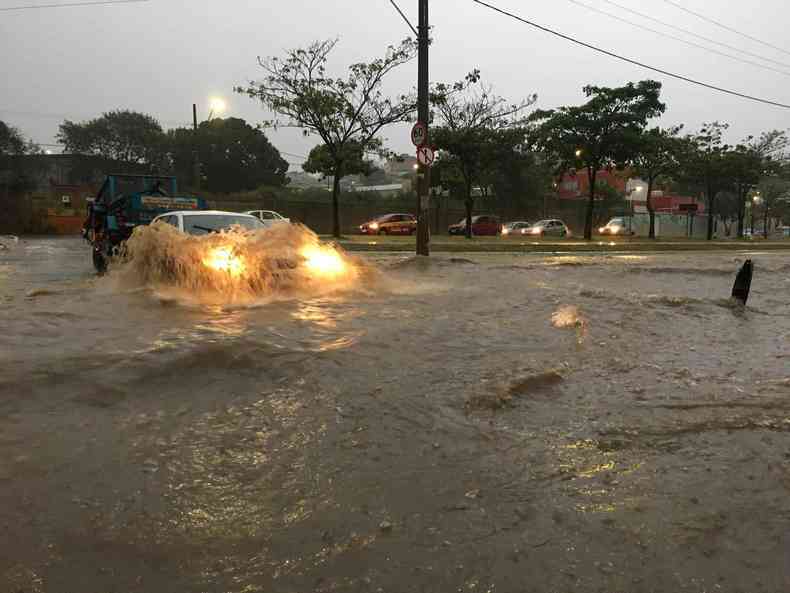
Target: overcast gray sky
[(161, 56)]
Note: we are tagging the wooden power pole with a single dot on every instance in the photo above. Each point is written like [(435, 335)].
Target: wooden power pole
[(423, 170), (196, 158)]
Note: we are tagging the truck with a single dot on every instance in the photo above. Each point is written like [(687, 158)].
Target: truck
[(125, 202)]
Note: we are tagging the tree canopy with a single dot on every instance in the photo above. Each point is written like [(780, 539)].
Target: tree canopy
[(320, 160), (478, 134), (658, 152), (353, 110), (127, 137), (602, 133), (12, 142), (704, 164), (234, 156)]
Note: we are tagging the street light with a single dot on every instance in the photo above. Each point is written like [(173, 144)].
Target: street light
[(216, 105), (578, 152)]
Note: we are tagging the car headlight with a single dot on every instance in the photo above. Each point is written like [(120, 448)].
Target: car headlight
[(374, 226), (602, 230), (505, 231), (615, 230)]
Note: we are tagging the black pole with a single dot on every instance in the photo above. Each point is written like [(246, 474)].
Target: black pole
[(423, 171), (743, 282), (196, 164)]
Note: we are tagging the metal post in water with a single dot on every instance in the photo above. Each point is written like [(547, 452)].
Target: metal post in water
[(743, 282)]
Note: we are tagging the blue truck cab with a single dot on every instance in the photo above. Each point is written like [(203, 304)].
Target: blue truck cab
[(125, 202)]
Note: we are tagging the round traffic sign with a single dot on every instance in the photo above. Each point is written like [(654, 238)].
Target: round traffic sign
[(425, 155), (419, 134)]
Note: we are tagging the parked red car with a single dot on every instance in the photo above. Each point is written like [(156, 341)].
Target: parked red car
[(483, 224)]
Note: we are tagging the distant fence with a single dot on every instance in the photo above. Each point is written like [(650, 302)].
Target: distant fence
[(674, 225)]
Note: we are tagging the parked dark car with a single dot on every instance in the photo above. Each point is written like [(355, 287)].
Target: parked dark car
[(484, 224), (390, 224)]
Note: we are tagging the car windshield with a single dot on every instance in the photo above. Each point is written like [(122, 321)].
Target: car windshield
[(615, 222), (202, 224), (542, 223)]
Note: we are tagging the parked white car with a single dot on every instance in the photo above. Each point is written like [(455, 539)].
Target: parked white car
[(203, 222), (268, 217)]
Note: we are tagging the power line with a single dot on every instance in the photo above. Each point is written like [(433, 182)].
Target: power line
[(725, 27), (70, 4), (400, 12), (629, 60), (680, 39), (694, 34)]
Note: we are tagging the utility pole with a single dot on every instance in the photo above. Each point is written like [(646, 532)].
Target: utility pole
[(196, 159), (423, 171)]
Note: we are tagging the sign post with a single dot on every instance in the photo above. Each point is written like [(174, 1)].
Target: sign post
[(419, 134), (425, 156)]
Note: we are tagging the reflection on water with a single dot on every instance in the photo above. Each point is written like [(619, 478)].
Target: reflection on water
[(324, 441)]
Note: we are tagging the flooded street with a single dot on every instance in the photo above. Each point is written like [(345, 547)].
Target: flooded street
[(487, 423)]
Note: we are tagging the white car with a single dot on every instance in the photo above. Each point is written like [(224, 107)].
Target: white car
[(268, 217), (203, 222), (616, 226), (549, 227), (515, 228)]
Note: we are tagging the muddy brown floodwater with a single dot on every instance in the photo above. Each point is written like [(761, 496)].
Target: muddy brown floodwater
[(482, 424)]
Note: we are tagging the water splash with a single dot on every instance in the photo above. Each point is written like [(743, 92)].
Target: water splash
[(568, 316), (237, 265)]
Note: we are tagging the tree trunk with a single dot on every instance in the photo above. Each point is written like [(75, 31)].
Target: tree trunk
[(469, 203), (765, 222), (336, 204), (711, 202), (588, 221), (651, 211)]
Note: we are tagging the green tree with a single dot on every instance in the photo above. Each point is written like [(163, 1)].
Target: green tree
[(774, 195), (705, 164), (234, 156), (12, 142), (522, 182), (17, 173), (601, 133), (749, 161), (475, 129), (657, 155), (343, 112), (129, 138), (745, 165), (321, 160)]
